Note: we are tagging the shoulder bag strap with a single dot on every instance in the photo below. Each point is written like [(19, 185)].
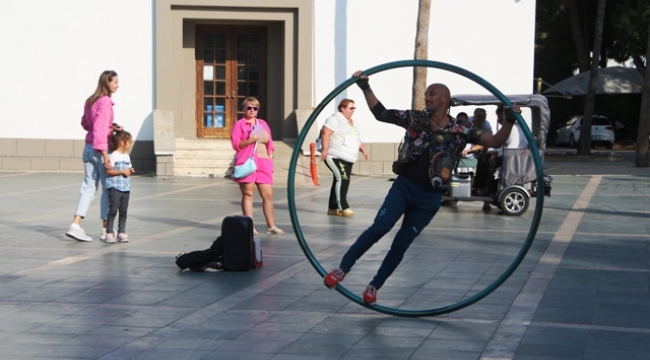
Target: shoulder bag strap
[(257, 123)]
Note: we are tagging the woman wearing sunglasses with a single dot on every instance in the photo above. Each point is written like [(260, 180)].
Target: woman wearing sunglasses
[(252, 137), (341, 146)]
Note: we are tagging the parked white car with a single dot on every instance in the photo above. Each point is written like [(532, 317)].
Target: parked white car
[(602, 132)]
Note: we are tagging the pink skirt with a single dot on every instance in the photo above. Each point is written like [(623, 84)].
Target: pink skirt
[(263, 174)]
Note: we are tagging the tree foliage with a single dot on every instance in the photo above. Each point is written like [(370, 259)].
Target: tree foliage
[(625, 37), (629, 21)]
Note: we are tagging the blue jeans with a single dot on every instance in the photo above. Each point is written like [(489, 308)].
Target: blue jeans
[(418, 203), (95, 172)]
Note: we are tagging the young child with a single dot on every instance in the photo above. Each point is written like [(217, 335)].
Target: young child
[(118, 185)]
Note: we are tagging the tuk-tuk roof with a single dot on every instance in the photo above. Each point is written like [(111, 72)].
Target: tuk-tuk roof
[(536, 102)]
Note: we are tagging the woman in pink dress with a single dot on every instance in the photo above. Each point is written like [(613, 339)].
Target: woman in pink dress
[(248, 131)]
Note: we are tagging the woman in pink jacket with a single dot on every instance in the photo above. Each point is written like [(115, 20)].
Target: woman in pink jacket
[(248, 131), (98, 122)]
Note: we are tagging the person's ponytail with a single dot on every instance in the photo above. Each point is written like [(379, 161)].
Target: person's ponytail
[(116, 138)]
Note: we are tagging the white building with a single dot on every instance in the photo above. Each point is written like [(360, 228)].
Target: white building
[(184, 65)]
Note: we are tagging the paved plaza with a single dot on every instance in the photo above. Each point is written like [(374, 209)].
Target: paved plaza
[(582, 291)]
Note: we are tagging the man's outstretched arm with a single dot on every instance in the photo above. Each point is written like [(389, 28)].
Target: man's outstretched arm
[(371, 99)]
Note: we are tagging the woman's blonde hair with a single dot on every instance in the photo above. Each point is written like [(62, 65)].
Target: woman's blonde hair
[(250, 100), (102, 87), (344, 103)]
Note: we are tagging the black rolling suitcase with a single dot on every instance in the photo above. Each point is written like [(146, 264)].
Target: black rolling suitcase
[(237, 235)]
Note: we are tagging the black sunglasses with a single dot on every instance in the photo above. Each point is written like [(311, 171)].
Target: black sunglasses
[(255, 108)]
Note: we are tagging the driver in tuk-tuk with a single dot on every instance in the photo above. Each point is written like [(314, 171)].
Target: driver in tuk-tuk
[(487, 165)]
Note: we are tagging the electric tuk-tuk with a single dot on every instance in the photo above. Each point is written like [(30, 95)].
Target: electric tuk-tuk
[(517, 182)]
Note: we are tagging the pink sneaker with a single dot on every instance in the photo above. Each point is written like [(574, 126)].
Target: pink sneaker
[(122, 238), (109, 238), (333, 278)]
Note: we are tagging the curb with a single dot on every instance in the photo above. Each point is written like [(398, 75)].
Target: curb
[(582, 158)]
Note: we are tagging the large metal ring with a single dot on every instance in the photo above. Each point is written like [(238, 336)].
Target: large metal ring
[(522, 252)]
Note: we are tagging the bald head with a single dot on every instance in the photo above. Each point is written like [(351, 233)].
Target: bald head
[(441, 88), (437, 97)]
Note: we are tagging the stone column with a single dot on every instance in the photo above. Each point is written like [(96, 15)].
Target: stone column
[(164, 142)]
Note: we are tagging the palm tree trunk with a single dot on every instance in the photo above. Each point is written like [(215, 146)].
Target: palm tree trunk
[(578, 37), (590, 103), (642, 140), (421, 53)]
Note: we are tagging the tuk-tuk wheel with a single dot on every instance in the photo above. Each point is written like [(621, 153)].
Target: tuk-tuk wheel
[(514, 202)]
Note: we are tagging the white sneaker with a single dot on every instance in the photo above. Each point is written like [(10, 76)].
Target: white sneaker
[(110, 238), (77, 233)]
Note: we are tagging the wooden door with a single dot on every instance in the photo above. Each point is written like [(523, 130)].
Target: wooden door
[(230, 66)]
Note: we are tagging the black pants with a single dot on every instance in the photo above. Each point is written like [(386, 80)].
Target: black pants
[(338, 193), (492, 184), (118, 200), (485, 168)]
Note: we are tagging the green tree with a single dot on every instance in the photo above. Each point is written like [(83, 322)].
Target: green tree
[(630, 20), (555, 55), (579, 35), (643, 133), (585, 132), (625, 35)]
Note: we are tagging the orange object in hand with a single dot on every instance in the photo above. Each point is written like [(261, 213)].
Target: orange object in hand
[(313, 168)]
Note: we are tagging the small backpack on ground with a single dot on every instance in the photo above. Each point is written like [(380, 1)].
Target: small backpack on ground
[(202, 259)]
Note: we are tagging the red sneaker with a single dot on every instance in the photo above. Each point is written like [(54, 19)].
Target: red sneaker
[(333, 278), (370, 295)]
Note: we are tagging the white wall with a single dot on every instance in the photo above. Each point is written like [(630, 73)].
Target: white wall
[(492, 39), (53, 54), (57, 49)]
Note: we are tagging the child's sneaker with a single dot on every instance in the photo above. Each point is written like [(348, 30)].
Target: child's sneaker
[(103, 232), (109, 238), (370, 295), (333, 278), (122, 238)]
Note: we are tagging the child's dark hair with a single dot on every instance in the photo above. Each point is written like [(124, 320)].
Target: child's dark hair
[(116, 138)]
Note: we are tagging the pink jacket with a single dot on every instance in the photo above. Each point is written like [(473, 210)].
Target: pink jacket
[(242, 131), (98, 121)]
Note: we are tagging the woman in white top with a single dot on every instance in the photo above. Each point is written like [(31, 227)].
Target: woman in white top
[(341, 145)]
